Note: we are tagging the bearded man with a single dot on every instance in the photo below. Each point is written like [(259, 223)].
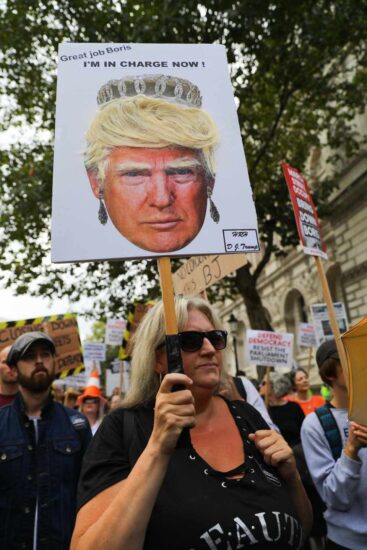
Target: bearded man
[(41, 450)]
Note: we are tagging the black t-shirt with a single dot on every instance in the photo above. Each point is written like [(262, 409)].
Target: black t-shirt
[(288, 418), (198, 508)]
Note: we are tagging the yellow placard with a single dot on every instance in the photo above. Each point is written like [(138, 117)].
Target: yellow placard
[(355, 345)]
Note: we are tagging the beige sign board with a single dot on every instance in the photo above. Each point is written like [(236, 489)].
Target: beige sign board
[(200, 272), (63, 329)]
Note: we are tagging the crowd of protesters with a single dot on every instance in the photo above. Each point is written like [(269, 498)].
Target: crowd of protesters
[(208, 466)]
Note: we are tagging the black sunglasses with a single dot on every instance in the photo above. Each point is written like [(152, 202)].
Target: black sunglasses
[(192, 340)]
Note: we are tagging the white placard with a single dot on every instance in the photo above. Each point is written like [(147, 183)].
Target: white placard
[(270, 349), (162, 193), (306, 335), (94, 351), (114, 331), (320, 317), (75, 381)]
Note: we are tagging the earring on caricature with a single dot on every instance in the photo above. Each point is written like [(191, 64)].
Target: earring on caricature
[(213, 209), (102, 211)]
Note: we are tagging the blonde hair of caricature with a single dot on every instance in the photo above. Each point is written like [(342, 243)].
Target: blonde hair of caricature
[(145, 382), (143, 121)]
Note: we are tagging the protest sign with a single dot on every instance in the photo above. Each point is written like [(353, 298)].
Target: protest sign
[(305, 212), (205, 205), (76, 380), (355, 345), (94, 351), (64, 331), (270, 349), (306, 335), (200, 272), (114, 331), (321, 321), (115, 365)]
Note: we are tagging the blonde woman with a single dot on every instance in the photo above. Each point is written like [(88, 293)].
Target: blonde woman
[(150, 160), (233, 485)]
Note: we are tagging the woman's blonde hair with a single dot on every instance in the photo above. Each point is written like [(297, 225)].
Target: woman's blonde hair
[(150, 334), (143, 121)]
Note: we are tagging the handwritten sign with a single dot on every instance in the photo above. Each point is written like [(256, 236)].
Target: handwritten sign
[(64, 331), (270, 349), (200, 272), (241, 240)]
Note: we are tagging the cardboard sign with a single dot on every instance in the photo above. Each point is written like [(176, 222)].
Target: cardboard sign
[(176, 182), (306, 335), (94, 351), (64, 331), (355, 345), (270, 349), (305, 212), (321, 321), (114, 331), (200, 272)]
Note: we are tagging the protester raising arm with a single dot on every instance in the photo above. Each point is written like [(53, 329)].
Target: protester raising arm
[(142, 487), (336, 481)]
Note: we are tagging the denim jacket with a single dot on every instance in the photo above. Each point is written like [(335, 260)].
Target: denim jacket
[(44, 472)]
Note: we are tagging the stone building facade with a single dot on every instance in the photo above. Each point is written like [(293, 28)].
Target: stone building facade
[(289, 285)]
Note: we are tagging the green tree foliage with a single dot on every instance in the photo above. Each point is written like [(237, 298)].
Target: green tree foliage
[(299, 73)]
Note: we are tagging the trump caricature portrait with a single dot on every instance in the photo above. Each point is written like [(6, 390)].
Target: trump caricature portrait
[(150, 160)]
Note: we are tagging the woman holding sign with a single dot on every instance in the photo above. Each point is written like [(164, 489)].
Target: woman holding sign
[(233, 484)]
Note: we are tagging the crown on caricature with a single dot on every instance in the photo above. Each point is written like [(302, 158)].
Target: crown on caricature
[(171, 88)]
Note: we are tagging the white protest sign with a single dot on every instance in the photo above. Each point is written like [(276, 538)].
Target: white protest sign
[(306, 335), (114, 331), (116, 365), (200, 272), (94, 351), (115, 210), (76, 380), (321, 321), (270, 349)]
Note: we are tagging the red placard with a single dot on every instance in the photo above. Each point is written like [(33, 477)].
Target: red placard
[(305, 212)]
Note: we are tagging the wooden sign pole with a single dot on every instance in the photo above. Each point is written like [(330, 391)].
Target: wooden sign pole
[(332, 317), (164, 266), (309, 360), (174, 359), (121, 376)]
